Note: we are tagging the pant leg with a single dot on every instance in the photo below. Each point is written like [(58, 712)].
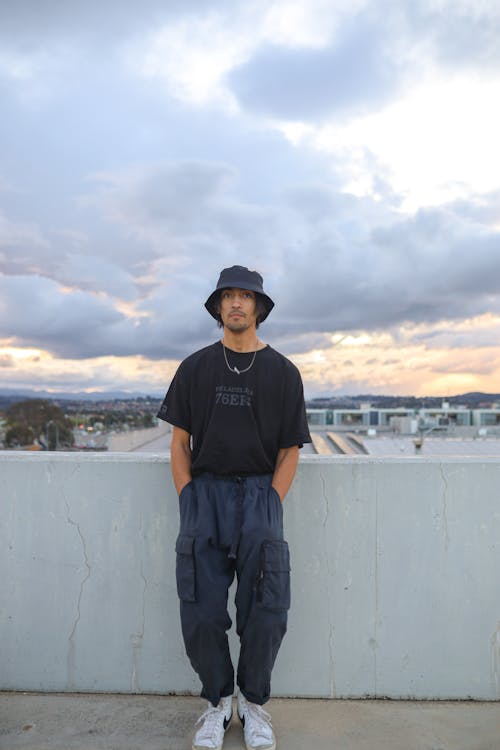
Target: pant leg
[(204, 574), (263, 595)]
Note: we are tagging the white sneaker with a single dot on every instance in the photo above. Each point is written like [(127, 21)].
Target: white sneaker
[(215, 722), (257, 726)]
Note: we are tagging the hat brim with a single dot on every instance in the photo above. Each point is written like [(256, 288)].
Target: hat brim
[(211, 303)]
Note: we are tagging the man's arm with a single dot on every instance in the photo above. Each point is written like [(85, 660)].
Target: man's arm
[(180, 458), (284, 471)]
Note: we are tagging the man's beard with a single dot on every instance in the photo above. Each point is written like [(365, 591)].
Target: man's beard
[(237, 326)]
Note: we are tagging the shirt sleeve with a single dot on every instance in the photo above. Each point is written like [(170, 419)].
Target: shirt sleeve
[(294, 428), (176, 407)]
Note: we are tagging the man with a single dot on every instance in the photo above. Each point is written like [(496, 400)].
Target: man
[(238, 416)]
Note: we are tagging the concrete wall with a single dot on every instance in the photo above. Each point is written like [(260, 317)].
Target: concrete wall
[(395, 577)]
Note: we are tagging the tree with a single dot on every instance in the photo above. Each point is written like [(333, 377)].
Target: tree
[(38, 418), (18, 435)]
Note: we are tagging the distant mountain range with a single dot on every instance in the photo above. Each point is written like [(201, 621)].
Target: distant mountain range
[(17, 394), (471, 400)]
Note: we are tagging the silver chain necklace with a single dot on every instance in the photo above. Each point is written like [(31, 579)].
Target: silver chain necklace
[(235, 369)]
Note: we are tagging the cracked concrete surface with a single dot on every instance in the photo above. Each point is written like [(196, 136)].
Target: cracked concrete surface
[(137, 639), (71, 662), (331, 676), (375, 583), (445, 507), (88, 579), (495, 662), (117, 722)]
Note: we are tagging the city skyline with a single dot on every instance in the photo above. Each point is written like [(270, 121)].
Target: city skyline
[(348, 151)]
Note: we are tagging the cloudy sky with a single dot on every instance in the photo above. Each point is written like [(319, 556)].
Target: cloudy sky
[(347, 150)]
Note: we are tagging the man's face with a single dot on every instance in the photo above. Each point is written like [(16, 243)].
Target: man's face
[(237, 309)]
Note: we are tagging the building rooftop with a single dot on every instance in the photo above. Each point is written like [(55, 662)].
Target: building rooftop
[(432, 446)]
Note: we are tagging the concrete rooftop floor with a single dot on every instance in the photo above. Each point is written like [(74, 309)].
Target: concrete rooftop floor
[(46, 721)]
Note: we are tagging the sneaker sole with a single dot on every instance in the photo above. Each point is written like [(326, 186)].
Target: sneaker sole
[(259, 747)]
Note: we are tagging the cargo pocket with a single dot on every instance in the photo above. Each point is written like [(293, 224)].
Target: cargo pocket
[(273, 590), (185, 569)]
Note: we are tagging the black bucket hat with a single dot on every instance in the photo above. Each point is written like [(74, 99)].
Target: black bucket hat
[(238, 277)]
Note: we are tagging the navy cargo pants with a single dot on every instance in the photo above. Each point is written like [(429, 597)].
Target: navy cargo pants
[(228, 525)]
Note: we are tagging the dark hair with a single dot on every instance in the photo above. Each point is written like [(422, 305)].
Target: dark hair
[(260, 309)]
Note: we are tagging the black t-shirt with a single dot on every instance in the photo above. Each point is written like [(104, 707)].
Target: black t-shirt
[(238, 423)]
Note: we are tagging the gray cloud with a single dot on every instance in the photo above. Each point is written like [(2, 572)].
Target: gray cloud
[(459, 34), (446, 337), (464, 367), (332, 262), (39, 20), (78, 325), (37, 313), (352, 74), (6, 360), (375, 54), (187, 210), (65, 258), (424, 268)]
